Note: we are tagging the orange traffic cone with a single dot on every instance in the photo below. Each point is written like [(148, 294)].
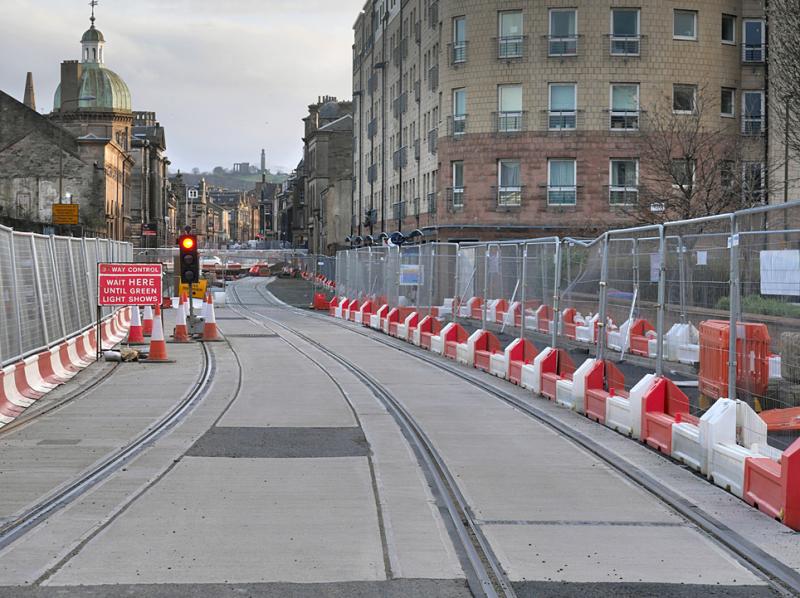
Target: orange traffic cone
[(135, 335), (158, 347), (210, 331), (147, 321), (181, 334)]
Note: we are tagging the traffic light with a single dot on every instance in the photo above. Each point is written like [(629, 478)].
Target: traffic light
[(190, 261)]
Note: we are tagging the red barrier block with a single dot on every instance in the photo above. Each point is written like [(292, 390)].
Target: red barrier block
[(366, 312), (476, 312), (500, 308), (522, 353), (412, 321), (568, 322), (320, 302), (664, 403), (774, 488), (603, 381), (557, 365), (455, 336), (391, 321), (639, 339), (334, 303), (428, 327), (486, 346), (351, 308), (545, 316)]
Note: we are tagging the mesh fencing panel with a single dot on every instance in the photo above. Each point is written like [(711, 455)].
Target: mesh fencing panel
[(539, 288), (49, 295), (85, 279), (28, 301), (66, 282), (9, 315)]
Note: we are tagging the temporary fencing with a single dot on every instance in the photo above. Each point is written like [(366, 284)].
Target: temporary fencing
[(48, 287)]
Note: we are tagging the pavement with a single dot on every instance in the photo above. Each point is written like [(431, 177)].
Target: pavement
[(290, 479)]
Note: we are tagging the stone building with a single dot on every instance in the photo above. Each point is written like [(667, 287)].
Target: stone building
[(488, 118), (291, 209), (240, 213), (328, 159), (150, 222)]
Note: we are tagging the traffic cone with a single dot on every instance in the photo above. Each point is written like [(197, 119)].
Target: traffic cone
[(181, 334), (158, 347), (147, 321), (210, 331), (135, 334), (206, 300)]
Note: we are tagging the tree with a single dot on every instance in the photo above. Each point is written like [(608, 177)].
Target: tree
[(195, 170), (693, 162), (784, 67), (219, 170)]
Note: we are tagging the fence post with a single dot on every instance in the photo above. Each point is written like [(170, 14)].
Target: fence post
[(601, 330), (662, 283), (556, 295), (38, 281), (522, 294), (682, 274), (485, 286), (733, 243), (430, 276), (57, 284)]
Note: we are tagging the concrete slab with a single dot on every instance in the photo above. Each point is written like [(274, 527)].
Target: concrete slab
[(213, 520), (281, 443), (597, 552)]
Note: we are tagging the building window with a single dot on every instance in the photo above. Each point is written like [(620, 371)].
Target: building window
[(625, 106), (511, 35), (684, 98), (728, 102), (561, 185), (682, 173), (458, 185), (753, 181), (684, 24), (623, 182), (563, 38), (625, 37), (728, 29), (459, 111), (753, 37), (509, 117), (752, 112), (563, 106), (509, 185), (459, 40)]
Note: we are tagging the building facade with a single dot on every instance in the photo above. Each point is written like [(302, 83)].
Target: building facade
[(150, 222), (484, 119)]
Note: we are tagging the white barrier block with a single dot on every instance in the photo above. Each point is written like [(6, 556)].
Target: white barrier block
[(437, 342), (579, 385), (564, 393), (775, 367), (689, 354), (338, 311), (618, 339), (686, 445), (584, 334), (10, 388), (618, 414), (491, 310), (532, 322), (416, 336), (359, 318), (652, 347), (375, 321), (402, 331), (636, 398), (726, 469), (750, 428), (498, 365), (509, 318), (34, 377), (532, 373), (469, 351)]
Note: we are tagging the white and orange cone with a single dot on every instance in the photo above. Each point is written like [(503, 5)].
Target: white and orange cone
[(135, 333), (181, 334), (147, 321), (158, 346), (210, 331), (206, 300)]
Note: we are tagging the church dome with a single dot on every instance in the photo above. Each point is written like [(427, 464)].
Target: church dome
[(92, 35), (107, 88)]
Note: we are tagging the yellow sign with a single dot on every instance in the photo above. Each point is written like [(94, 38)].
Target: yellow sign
[(198, 289), (65, 213)]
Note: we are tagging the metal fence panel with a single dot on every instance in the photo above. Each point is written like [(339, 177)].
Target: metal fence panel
[(9, 315), (49, 294), (28, 299), (85, 279)]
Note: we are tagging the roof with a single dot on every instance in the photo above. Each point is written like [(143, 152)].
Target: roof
[(93, 35), (340, 124), (107, 88)]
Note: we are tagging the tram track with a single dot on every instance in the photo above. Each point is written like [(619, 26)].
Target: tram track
[(781, 577), (485, 575), (17, 527)]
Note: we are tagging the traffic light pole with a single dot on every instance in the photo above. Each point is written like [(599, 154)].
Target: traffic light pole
[(191, 305)]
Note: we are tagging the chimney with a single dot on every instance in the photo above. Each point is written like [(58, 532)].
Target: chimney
[(71, 71), (30, 96)]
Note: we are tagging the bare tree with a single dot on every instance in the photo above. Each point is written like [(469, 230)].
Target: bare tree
[(784, 63), (693, 162)]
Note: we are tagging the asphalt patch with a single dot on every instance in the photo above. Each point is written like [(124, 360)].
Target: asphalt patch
[(395, 588), (555, 589), (281, 443)]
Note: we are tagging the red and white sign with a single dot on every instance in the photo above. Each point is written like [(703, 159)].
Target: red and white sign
[(128, 284)]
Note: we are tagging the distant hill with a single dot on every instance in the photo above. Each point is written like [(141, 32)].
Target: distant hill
[(232, 181)]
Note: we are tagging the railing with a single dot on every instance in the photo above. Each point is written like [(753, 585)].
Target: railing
[(752, 126), (511, 47), (626, 46), (433, 138), (432, 202), (400, 158), (457, 53), (620, 120), (457, 125), (562, 195), (754, 53), (622, 195), (399, 210), (433, 78), (48, 287), (507, 197), (562, 46), (455, 198), (509, 122), (561, 120)]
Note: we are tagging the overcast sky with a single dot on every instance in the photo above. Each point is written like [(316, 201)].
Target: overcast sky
[(225, 77)]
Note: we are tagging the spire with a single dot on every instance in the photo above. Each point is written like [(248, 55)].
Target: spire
[(30, 96), (93, 3)]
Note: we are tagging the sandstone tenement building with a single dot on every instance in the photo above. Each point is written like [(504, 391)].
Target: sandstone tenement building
[(484, 119)]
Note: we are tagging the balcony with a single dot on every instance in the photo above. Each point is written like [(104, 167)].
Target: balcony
[(400, 105), (511, 47), (399, 210), (432, 202), (433, 138), (457, 125), (752, 126), (400, 158), (562, 120), (622, 196), (508, 123), (561, 195), (754, 53), (507, 198), (625, 46), (457, 53), (433, 78), (372, 128), (455, 198), (562, 46), (622, 120)]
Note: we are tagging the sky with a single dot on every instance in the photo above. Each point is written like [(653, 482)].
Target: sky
[(224, 77)]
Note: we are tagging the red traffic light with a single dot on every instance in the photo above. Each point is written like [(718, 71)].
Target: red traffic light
[(187, 243)]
